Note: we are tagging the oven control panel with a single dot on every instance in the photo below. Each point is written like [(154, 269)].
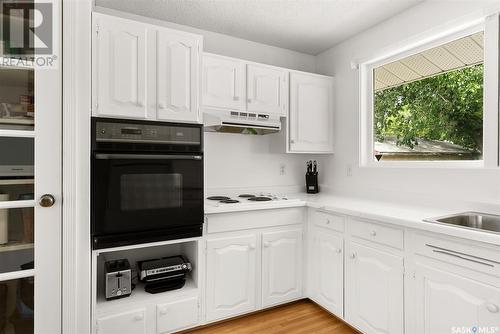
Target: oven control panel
[(147, 133)]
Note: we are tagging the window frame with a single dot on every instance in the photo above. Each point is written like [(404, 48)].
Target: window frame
[(490, 26)]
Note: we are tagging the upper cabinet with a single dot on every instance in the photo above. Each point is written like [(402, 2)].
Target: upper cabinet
[(177, 76), (267, 89), (121, 51), (143, 71), (310, 125), (222, 84), (234, 84)]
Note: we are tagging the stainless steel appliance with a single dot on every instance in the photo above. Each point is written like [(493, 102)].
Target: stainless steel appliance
[(168, 273), (147, 181), (118, 281)]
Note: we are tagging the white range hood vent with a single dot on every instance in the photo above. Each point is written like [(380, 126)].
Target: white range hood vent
[(241, 122)]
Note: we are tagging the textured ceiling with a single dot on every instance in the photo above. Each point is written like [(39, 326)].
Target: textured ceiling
[(308, 26)]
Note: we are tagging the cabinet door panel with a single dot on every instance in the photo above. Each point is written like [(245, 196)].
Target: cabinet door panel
[(281, 266), (231, 276), (374, 301), (178, 59), (222, 83), (311, 113), (266, 89), (328, 271), (131, 322), (177, 315), (120, 67), (445, 301)]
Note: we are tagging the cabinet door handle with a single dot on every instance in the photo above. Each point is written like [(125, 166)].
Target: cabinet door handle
[(492, 308), (292, 141), (267, 244), (328, 222), (163, 311), (339, 250), (252, 246), (161, 106), (139, 317), (373, 233), (353, 255)]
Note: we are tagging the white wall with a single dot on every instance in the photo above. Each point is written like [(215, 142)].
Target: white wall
[(245, 161), (397, 183)]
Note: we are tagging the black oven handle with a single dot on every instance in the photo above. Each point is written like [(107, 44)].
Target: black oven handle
[(111, 156)]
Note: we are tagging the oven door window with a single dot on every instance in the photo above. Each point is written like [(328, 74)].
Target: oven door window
[(132, 195), (150, 191)]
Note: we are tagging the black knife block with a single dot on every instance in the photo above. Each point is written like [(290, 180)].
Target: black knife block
[(312, 183)]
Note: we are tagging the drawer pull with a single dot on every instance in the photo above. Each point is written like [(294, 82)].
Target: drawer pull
[(339, 250), (327, 221), (163, 311), (138, 317), (460, 253), (353, 255), (267, 244), (252, 246), (492, 308), (373, 233), (461, 257)]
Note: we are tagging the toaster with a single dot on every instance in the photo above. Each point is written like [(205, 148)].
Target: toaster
[(118, 279)]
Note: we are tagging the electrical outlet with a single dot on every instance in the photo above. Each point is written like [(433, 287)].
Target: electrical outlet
[(282, 169), (349, 170)]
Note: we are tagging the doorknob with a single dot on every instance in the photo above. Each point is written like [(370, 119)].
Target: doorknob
[(47, 200)]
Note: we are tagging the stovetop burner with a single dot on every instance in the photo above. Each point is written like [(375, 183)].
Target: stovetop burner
[(218, 198), (229, 201), (260, 199), (246, 196)]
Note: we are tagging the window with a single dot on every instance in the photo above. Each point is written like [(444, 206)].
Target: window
[(427, 104)]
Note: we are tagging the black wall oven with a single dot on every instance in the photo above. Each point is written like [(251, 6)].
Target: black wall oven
[(147, 181)]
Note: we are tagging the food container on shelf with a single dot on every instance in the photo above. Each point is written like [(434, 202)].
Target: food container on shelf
[(4, 221)]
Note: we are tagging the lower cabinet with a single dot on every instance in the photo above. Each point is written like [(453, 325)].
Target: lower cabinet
[(281, 266), (231, 276), (327, 270), (243, 268), (177, 315), (128, 322), (444, 301), (374, 289)]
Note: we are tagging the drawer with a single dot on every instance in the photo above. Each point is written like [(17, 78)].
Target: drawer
[(329, 220), (177, 315), (459, 252), (382, 234)]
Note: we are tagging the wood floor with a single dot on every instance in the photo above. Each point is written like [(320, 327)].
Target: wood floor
[(300, 317)]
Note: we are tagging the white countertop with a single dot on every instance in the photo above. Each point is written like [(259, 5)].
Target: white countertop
[(410, 216)]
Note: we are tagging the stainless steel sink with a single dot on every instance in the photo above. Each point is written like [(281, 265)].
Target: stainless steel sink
[(471, 220)]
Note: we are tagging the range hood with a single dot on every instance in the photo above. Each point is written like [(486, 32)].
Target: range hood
[(241, 122)]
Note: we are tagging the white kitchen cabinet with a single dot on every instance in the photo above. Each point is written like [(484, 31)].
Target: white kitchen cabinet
[(129, 322), (374, 290), (310, 124), (177, 315), (281, 266), (446, 300), (120, 54), (142, 71), (231, 276), (327, 270), (178, 69), (223, 82), (267, 89)]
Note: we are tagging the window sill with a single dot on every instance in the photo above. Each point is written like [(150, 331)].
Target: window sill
[(449, 164)]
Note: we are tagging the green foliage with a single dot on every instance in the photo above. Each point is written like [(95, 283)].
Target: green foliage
[(447, 107)]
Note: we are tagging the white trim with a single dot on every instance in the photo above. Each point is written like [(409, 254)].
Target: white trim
[(17, 133), (490, 109), (17, 204), (17, 274), (76, 280)]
